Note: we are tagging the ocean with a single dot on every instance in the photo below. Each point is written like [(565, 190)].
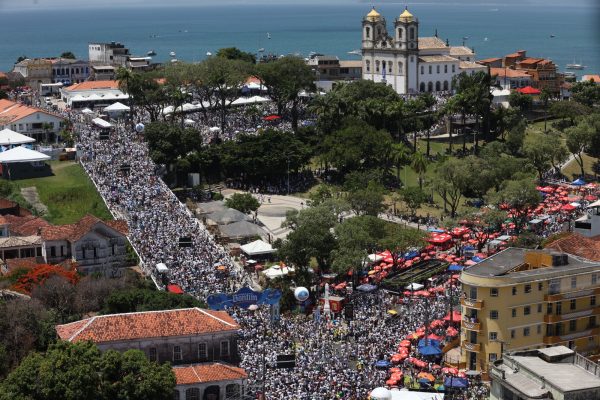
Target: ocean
[(330, 28)]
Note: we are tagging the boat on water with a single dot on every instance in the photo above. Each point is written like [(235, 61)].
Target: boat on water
[(575, 66), (151, 53), (355, 52), (552, 36), (172, 54)]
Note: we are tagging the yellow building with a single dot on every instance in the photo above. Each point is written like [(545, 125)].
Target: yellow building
[(522, 299)]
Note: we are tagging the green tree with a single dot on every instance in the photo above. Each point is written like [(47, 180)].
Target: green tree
[(68, 54), (319, 194), (570, 110), (367, 200), (520, 101), (520, 195), (593, 121), (243, 202), (579, 138), (3, 94), (413, 197), (78, 371), (141, 299), (484, 223), (450, 181), (233, 53), (284, 79), (516, 136), (541, 150), (586, 93), (419, 164), (399, 239)]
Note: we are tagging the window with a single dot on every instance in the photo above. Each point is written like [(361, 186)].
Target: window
[(422, 70), (431, 69), (526, 310), (176, 395), (438, 69), (554, 286), (549, 308), (399, 33), (493, 314), (367, 32), (594, 279), (192, 394), (592, 322), (573, 304), (176, 353), (514, 312), (493, 357), (446, 85), (152, 354), (573, 282), (225, 348), (412, 33), (514, 290), (52, 251), (592, 300), (572, 325), (368, 63), (377, 66), (540, 286), (539, 307), (445, 68), (513, 333), (526, 331), (494, 292), (202, 351), (493, 335), (438, 86), (558, 308), (539, 329), (453, 68), (527, 288), (473, 292), (400, 68)]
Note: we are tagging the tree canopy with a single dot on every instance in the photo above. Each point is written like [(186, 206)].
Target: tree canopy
[(233, 53), (243, 202)]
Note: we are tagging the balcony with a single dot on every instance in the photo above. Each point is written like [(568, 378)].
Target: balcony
[(472, 347), (472, 326), (572, 315), (472, 303), (571, 336), (574, 294)]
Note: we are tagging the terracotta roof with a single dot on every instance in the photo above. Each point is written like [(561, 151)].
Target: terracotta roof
[(26, 226), (519, 53), (531, 60), (509, 73), (2, 75), (489, 60), (140, 325), (11, 111), (431, 43), (594, 78), (5, 203), (434, 59), (74, 232), (20, 241), (92, 85), (578, 245), (471, 65), (209, 372), (461, 51)]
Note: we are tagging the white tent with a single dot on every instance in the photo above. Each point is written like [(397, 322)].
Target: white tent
[(277, 272), (414, 286), (22, 154), (116, 107), (189, 121), (257, 247), (86, 111), (249, 100), (161, 268), (375, 257), (8, 137), (102, 123)]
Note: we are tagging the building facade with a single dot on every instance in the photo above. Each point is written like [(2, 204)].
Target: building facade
[(113, 53), (409, 63), (68, 71), (523, 299), (35, 71), (28, 120)]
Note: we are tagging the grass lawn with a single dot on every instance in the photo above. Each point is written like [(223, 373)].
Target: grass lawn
[(69, 194), (573, 171)]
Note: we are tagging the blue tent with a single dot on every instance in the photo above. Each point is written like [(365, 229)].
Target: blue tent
[(430, 350), (477, 259), (455, 267), (410, 255), (382, 364), (366, 288), (424, 381), (429, 342), (455, 382), (467, 248), (436, 230), (578, 182)]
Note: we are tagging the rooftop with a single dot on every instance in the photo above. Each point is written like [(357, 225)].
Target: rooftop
[(149, 324), (25, 226), (431, 43), (20, 241), (350, 64), (74, 232), (11, 111), (461, 51), (595, 78), (471, 65), (578, 245), (509, 73), (511, 263), (209, 372), (93, 85), (436, 59)]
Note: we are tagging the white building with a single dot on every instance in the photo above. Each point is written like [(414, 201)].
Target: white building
[(93, 94), (28, 120), (407, 62), (108, 54)]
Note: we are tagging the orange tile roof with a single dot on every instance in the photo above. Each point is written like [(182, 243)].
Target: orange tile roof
[(209, 372), (489, 60), (92, 85), (149, 324), (11, 111), (578, 245), (26, 226), (509, 73), (74, 232), (531, 60), (2, 75), (593, 78)]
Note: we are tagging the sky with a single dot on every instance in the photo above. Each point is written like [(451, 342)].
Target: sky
[(54, 4)]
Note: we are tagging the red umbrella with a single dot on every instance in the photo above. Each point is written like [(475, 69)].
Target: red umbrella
[(529, 90), (405, 343), (455, 317), (271, 117), (391, 382)]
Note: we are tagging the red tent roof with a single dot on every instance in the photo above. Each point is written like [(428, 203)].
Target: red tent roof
[(272, 118), (175, 289), (529, 90)]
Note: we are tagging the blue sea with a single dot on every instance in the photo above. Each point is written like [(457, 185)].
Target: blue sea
[(330, 28)]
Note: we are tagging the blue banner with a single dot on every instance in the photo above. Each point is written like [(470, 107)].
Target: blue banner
[(244, 298)]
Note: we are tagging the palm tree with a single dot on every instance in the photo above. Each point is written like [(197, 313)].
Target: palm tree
[(545, 98), (419, 165), (399, 157), (127, 79)]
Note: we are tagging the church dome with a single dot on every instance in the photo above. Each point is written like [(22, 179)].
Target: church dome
[(406, 16), (373, 15)]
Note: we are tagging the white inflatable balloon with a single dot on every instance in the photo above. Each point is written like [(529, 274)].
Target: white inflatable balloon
[(139, 128), (301, 293)]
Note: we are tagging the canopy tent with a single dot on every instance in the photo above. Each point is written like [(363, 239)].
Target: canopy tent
[(430, 350), (529, 90), (8, 137), (271, 118), (455, 382), (578, 182), (455, 267), (257, 247), (116, 107), (21, 154), (86, 111), (375, 257), (250, 100), (161, 268), (241, 230), (189, 121), (414, 286), (227, 216), (277, 271), (102, 123), (366, 288)]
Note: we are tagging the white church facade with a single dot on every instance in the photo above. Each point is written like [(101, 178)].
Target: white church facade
[(409, 63)]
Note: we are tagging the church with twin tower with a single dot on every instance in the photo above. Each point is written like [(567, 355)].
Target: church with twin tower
[(409, 63)]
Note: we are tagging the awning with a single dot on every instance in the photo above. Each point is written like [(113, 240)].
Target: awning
[(257, 247), (529, 90), (102, 123), (8, 137), (22, 154), (116, 107)]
